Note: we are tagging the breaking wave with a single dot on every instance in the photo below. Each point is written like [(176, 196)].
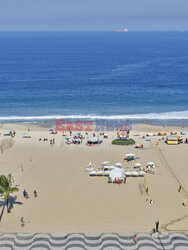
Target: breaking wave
[(175, 115)]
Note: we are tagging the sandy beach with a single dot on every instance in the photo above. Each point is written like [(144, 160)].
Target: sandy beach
[(69, 200)]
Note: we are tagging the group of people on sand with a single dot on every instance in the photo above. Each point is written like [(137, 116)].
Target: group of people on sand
[(185, 201), (52, 141), (25, 194), (44, 139), (135, 240), (118, 180)]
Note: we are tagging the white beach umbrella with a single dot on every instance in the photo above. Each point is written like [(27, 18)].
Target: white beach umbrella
[(150, 163), (130, 155), (137, 165), (118, 164), (117, 173), (105, 163)]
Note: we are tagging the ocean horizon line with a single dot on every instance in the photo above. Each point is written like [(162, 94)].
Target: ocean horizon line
[(109, 30)]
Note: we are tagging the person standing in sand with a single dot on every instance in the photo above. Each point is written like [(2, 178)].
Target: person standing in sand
[(147, 190), (35, 193), (22, 222), (135, 239), (157, 226)]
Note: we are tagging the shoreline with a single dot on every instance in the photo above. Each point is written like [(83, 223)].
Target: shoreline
[(180, 124)]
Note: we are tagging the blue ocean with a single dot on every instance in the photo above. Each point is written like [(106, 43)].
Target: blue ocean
[(110, 75)]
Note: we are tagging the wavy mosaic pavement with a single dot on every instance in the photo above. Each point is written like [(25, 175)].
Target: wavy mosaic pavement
[(94, 241)]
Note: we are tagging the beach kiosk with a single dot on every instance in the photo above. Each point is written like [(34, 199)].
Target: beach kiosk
[(172, 140)]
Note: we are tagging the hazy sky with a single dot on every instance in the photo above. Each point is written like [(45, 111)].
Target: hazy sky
[(93, 14)]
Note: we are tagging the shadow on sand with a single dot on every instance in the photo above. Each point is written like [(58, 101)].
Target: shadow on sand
[(12, 202)]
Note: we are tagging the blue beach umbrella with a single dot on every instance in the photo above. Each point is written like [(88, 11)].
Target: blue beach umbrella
[(51, 130)]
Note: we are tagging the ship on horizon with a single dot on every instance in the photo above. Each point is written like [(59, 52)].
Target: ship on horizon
[(121, 30)]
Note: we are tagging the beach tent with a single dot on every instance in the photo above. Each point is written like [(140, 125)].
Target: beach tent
[(108, 167), (105, 163), (137, 165), (184, 132), (118, 164), (117, 173)]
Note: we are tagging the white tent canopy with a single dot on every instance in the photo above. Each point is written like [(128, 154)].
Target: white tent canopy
[(117, 173), (109, 167), (150, 163), (118, 164), (105, 163), (130, 155), (137, 165), (92, 139)]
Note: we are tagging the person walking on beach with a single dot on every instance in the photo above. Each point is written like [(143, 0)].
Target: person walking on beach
[(35, 193), (24, 193), (147, 190), (22, 222), (179, 189), (157, 226), (135, 239)]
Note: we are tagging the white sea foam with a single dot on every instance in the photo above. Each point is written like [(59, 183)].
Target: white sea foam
[(175, 115)]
